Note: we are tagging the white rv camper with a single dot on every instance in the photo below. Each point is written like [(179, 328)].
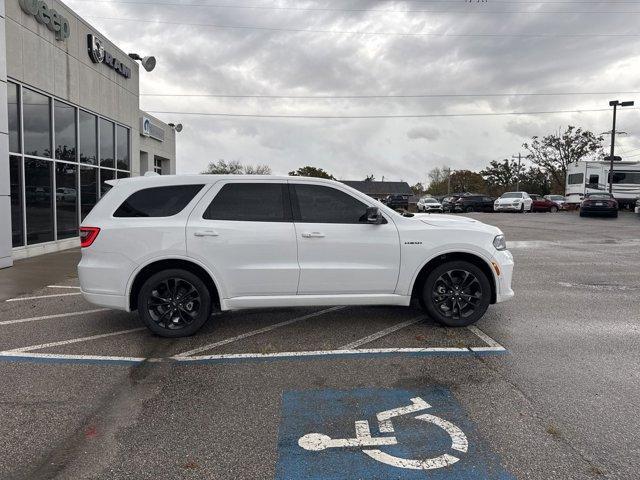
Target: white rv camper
[(593, 176)]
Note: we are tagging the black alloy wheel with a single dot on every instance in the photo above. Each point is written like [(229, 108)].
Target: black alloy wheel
[(174, 303), (469, 209), (456, 294)]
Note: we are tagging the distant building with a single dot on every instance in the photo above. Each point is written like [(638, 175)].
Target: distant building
[(380, 190)]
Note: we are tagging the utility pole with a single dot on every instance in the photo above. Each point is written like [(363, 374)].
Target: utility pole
[(518, 174), (615, 104)]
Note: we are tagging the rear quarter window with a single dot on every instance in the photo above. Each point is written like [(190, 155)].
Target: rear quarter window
[(157, 201)]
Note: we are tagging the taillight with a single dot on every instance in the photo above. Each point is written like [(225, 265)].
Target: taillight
[(88, 235)]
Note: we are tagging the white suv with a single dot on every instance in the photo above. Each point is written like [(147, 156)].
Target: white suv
[(175, 248), (513, 201)]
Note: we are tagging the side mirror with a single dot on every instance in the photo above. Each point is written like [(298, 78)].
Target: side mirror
[(374, 216)]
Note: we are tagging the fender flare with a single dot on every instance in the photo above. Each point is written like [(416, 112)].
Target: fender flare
[(151, 261)]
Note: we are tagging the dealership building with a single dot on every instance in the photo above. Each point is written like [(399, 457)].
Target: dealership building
[(72, 121)]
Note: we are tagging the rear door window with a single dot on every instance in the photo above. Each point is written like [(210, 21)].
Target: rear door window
[(250, 202), (158, 201)]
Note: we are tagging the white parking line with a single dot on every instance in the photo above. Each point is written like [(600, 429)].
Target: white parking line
[(322, 353), (20, 299), (254, 332), (73, 340), (381, 333), (64, 356), (57, 315), (492, 345), (63, 286)]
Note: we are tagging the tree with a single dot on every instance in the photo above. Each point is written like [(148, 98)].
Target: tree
[(554, 153), (221, 167), (438, 180), (369, 178), (418, 189), (311, 172), (467, 181), (257, 170), (535, 180), (501, 175)]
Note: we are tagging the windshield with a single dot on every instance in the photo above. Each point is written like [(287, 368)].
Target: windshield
[(599, 195), (429, 200), (555, 197), (512, 195)]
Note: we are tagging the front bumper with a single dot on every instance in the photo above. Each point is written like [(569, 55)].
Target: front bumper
[(504, 260), (507, 208)]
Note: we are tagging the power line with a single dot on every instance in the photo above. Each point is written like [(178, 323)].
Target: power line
[(433, 115), (355, 32), (359, 10), (425, 95)]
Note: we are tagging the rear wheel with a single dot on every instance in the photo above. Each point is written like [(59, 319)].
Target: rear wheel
[(469, 209), (174, 303), (456, 294)]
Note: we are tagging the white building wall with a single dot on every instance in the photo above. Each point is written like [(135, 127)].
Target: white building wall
[(5, 198)]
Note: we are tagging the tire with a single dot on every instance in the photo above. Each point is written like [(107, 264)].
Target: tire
[(582, 214), (553, 209), (522, 208), (444, 306), (469, 209), (615, 215), (164, 293)]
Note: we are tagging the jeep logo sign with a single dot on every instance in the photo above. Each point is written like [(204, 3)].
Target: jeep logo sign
[(98, 54), (55, 22)]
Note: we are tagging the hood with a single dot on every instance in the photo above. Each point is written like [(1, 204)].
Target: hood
[(445, 220), (508, 200), (455, 222)]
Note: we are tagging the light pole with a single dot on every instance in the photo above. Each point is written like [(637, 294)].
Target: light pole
[(518, 175), (615, 104)]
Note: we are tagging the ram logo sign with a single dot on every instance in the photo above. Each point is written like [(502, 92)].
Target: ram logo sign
[(150, 129), (98, 54), (50, 17)]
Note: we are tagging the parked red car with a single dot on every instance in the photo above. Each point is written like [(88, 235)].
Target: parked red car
[(541, 204)]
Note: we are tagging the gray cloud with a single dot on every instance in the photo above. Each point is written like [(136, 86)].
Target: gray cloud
[(240, 61)]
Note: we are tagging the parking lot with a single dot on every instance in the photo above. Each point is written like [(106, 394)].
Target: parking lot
[(544, 386)]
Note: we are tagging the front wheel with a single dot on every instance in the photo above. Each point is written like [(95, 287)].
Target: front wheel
[(553, 209), (174, 303), (456, 294)]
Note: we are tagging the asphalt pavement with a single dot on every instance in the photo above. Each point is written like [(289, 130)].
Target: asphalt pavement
[(545, 387)]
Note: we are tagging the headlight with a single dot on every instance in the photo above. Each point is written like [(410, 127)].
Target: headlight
[(500, 243)]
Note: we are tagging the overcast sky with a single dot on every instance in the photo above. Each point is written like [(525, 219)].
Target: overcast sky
[(451, 60)]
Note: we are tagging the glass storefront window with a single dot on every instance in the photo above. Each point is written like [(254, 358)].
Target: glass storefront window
[(123, 174), (88, 189), (88, 140), (104, 176), (66, 200), (39, 200), (65, 131), (107, 144), (37, 123), (14, 117), (122, 147), (15, 179)]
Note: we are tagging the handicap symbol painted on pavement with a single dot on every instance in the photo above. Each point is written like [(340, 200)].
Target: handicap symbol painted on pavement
[(416, 435)]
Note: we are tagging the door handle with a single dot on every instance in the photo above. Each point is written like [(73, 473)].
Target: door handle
[(205, 233), (313, 235)]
